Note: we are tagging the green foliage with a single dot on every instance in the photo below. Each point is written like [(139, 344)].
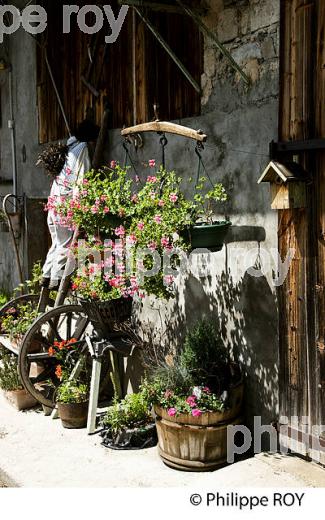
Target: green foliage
[(18, 320), (96, 278), (9, 378), (31, 286), (174, 376), (132, 412), (101, 203), (178, 400), (195, 378), (204, 354), (204, 203), (4, 298), (72, 392), (148, 218)]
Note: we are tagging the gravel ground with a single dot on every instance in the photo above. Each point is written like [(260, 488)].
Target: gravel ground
[(36, 451)]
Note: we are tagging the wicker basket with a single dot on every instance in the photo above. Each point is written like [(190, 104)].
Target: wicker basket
[(107, 315)]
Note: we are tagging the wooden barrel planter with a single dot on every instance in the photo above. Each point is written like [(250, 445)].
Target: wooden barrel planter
[(198, 443)]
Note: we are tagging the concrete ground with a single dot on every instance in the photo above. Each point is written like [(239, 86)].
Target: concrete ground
[(37, 452)]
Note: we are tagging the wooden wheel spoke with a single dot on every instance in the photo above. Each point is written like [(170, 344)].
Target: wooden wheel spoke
[(46, 374), (81, 326), (54, 330), (67, 321)]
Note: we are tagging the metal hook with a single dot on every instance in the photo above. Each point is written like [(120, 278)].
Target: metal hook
[(163, 144)]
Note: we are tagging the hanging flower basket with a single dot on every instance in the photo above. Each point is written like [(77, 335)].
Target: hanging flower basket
[(108, 314), (208, 236)]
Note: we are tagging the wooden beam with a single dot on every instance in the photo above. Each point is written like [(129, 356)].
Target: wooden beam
[(161, 6), (165, 127), (169, 50), (153, 6), (299, 146)]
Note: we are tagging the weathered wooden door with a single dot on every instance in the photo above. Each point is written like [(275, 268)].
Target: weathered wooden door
[(302, 297)]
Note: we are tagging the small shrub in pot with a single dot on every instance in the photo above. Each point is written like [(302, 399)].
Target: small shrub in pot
[(72, 400)]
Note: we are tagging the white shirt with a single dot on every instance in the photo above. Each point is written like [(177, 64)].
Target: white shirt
[(76, 165)]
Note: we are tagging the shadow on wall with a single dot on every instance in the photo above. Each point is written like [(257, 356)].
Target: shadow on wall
[(245, 313)]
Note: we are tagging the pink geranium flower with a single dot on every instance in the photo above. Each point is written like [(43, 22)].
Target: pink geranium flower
[(152, 163), (131, 240), (151, 179), (152, 245), (120, 231), (173, 197), (196, 412), (106, 210), (172, 412), (161, 203), (165, 241), (158, 219), (140, 226), (94, 210), (168, 279), (191, 401), (206, 389)]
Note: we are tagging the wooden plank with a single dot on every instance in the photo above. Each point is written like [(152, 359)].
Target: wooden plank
[(168, 128), (294, 224), (320, 216), (6, 343)]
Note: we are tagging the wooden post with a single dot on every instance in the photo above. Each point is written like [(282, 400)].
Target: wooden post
[(94, 394)]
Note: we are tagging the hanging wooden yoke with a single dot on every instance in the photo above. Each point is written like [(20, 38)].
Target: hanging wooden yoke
[(163, 127)]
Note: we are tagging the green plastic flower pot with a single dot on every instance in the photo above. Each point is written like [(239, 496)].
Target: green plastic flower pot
[(208, 236)]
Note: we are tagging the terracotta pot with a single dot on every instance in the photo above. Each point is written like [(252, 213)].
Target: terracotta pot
[(197, 443), (20, 399), (73, 415)]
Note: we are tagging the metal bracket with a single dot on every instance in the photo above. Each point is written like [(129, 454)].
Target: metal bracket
[(293, 147)]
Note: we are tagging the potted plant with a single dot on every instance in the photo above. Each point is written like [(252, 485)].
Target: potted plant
[(105, 293), (72, 401), (196, 394), (17, 320), (10, 383), (129, 424), (206, 232)]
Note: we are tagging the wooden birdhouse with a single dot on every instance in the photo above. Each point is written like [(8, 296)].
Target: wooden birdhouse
[(288, 184)]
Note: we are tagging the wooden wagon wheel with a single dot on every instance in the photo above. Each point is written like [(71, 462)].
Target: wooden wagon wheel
[(16, 302), (36, 367)]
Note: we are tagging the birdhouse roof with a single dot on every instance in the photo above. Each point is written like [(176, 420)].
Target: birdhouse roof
[(285, 172)]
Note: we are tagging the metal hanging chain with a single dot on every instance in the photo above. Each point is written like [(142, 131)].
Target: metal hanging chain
[(198, 149), (128, 158)]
